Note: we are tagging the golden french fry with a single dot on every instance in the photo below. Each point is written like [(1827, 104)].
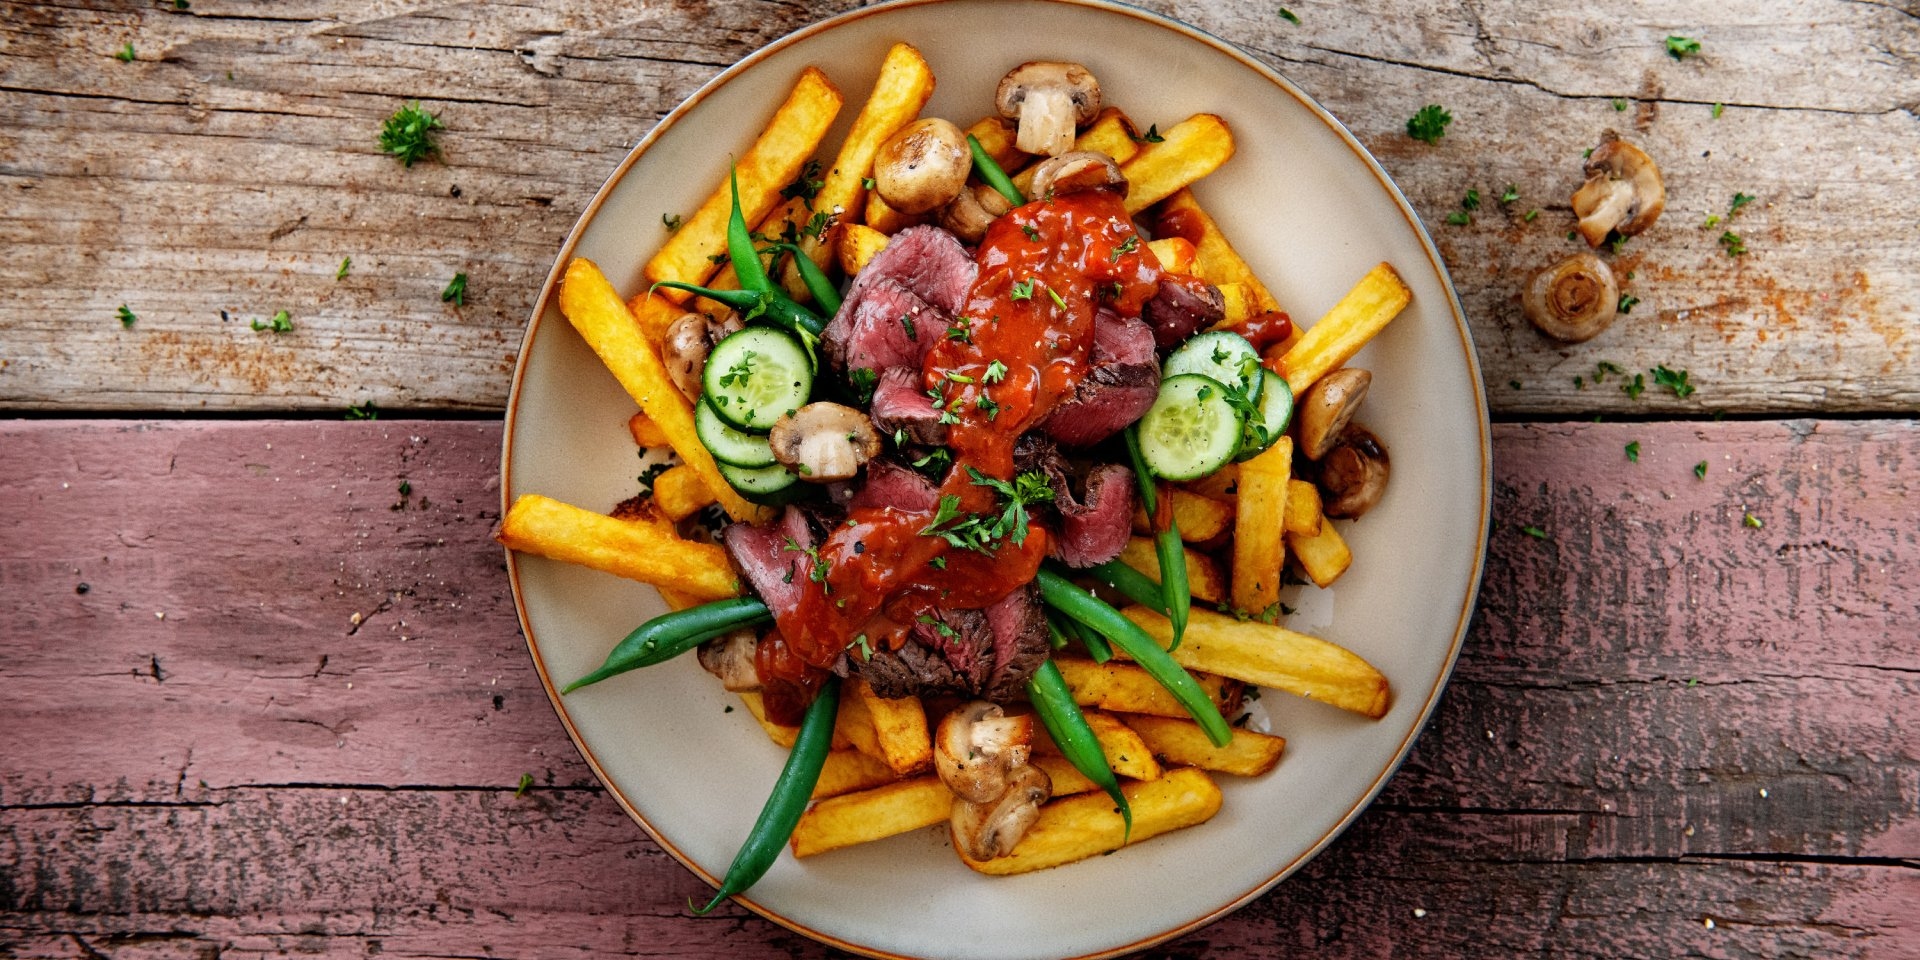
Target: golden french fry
[(1362, 313), (881, 216), (847, 771), (1110, 133), (654, 314), (636, 550), (1271, 656), (1259, 545), (1324, 557), (1122, 687), (1222, 484), (1199, 518), (1067, 779), (1086, 825), (1174, 253), (900, 735), (1237, 300), (1303, 508), (869, 815), (605, 323), (996, 136), (1181, 743), (858, 243), (1191, 149), (1204, 581), (775, 158), (1126, 753), (679, 492), (646, 433), (1219, 263)]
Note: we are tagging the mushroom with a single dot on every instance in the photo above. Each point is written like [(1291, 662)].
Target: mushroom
[(978, 749), (685, 352), (824, 442), (730, 657), (1353, 475), (1623, 191), (983, 831), (1075, 171), (973, 211), (1572, 300), (1326, 408), (1049, 99), (923, 166)]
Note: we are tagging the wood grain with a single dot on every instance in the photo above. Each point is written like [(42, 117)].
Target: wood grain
[(232, 166), (1662, 716)]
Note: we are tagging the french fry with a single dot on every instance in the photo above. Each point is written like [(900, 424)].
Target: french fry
[(1222, 484), (679, 492), (1191, 149), (1324, 557), (1086, 825), (1126, 753), (869, 815), (881, 216), (775, 158), (633, 549), (1067, 780), (1219, 263), (1121, 687), (1174, 253), (654, 314), (604, 322), (1199, 518), (1259, 543), (1110, 133), (1303, 508), (1271, 656), (646, 433), (847, 771), (996, 135), (857, 244), (1204, 581), (1237, 302), (1181, 743), (1362, 313), (900, 735)]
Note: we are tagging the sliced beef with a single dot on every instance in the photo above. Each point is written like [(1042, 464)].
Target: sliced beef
[(986, 653), (912, 670), (772, 557), (1095, 525), (1123, 379), (900, 402), (1019, 644), (1181, 307), (923, 274), (889, 484), (928, 261)]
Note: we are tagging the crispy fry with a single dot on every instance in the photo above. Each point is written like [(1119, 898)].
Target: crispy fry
[(900, 735), (1121, 687), (1303, 509), (1324, 557), (1174, 253), (1181, 743), (1219, 262), (870, 815), (604, 321), (1273, 657), (996, 135), (1237, 298), (1066, 779), (654, 313), (847, 771), (646, 433), (636, 550), (1126, 753), (883, 217), (1223, 484), (768, 166), (1199, 518), (1204, 581), (858, 243), (1259, 545), (1086, 825), (679, 493), (1362, 313), (1192, 148)]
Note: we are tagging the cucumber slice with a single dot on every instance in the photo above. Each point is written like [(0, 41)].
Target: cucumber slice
[(1191, 430), (736, 447), (1276, 412), (770, 485), (1222, 355), (756, 376)]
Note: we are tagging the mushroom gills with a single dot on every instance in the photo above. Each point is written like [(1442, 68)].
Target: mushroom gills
[(1353, 475)]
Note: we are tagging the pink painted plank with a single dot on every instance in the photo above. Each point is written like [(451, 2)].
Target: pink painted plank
[(1575, 795)]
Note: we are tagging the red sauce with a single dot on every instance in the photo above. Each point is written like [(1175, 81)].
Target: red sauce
[(1018, 351), (1264, 330)]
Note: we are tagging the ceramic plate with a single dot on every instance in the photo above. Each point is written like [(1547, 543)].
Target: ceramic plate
[(1312, 212)]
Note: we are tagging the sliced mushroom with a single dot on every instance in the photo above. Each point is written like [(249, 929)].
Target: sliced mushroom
[(730, 657), (1572, 300), (973, 211), (1353, 475), (1623, 192), (1076, 171), (983, 831), (977, 748), (684, 352), (1049, 99), (923, 166), (824, 442), (1327, 406)]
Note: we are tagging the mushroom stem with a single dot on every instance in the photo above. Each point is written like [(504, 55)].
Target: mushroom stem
[(1046, 122)]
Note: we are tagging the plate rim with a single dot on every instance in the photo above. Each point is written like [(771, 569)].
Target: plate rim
[(1194, 33)]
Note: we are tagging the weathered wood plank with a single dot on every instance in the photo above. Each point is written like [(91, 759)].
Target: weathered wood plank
[(232, 166), (1578, 793)]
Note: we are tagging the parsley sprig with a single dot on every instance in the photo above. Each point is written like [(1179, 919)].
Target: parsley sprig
[(1429, 123), (408, 134), (982, 532)]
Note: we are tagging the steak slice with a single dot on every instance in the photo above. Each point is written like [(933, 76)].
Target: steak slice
[(772, 557), (1019, 644), (928, 261), (887, 326), (1123, 379), (1181, 307), (1094, 527), (900, 403), (889, 484)]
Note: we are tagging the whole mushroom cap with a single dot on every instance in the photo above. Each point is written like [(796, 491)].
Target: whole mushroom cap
[(1326, 407), (1049, 99), (1623, 192), (1353, 475), (922, 166), (1573, 299)]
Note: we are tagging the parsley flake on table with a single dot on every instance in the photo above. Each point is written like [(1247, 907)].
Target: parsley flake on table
[(1511, 194), (1675, 380), (1531, 214), (1471, 201), (1681, 48), (282, 322), (1700, 470), (456, 291), (1633, 388), (126, 317), (1289, 16), (408, 134), (1429, 123), (526, 783), (1750, 520), (1633, 451), (125, 54), (1627, 303), (364, 411), (1534, 532), (346, 265), (1739, 200), (1459, 218), (1619, 105), (1733, 242), (1718, 109)]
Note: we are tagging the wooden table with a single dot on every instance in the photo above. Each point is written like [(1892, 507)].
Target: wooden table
[(264, 688)]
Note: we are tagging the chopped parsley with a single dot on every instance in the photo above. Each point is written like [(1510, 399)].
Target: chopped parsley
[(817, 570), (1459, 218), (1700, 470), (1633, 451), (860, 641), (986, 405), (126, 316), (671, 221), (737, 374), (960, 332), (1604, 367), (806, 186), (996, 372), (1289, 16), (526, 783), (408, 134), (652, 473), (1126, 246), (864, 379), (1675, 380), (1627, 302), (1511, 194), (1619, 105), (866, 183), (1534, 532), (1471, 201), (364, 411), (1429, 123), (906, 323), (1151, 136), (456, 291), (282, 322), (1734, 244), (346, 266), (1633, 388), (1531, 214), (1748, 519), (1055, 296), (983, 532), (1032, 232), (1739, 200), (1681, 48), (125, 54), (1022, 290), (1718, 109)]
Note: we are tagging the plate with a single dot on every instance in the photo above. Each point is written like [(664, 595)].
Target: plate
[(1312, 212)]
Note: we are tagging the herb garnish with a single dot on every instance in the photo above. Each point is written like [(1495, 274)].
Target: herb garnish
[(1126, 246), (126, 316), (408, 134), (996, 372), (1635, 387), (671, 221), (125, 54), (1472, 200), (1681, 48), (456, 291), (1633, 451), (364, 411), (282, 322), (806, 186), (526, 783), (1534, 532), (1289, 16), (1512, 193), (1032, 232), (1429, 123), (1734, 244), (1055, 296), (1627, 302), (1022, 290), (1675, 380), (1700, 470), (346, 265), (1151, 136), (1752, 521)]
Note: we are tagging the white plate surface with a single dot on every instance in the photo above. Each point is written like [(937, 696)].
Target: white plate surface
[(1312, 212)]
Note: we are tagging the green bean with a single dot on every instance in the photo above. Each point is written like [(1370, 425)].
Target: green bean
[(1175, 591), (670, 635), (815, 278), (1062, 595), (776, 306), (1055, 638), (1137, 586), (992, 174), (1095, 644), (788, 799), (1060, 714), (746, 260)]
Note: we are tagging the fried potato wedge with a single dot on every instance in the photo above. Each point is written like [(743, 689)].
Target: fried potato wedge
[(1067, 779), (870, 815), (1086, 825), (1122, 687), (1188, 151), (900, 736), (637, 550), (1304, 514), (1237, 301), (1324, 556), (1259, 531), (1274, 657), (646, 433), (858, 243), (1126, 753), (780, 733), (1356, 319), (1181, 743), (1222, 484), (997, 135), (1174, 253), (679, 493), (1204, 580), (847, 771), (1199, 518)]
